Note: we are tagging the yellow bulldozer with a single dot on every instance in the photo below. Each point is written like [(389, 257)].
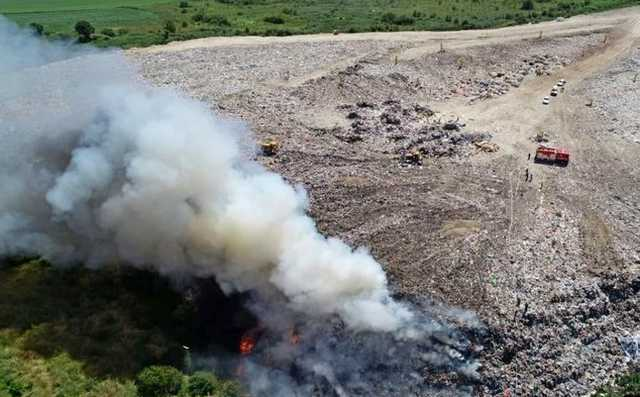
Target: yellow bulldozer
[(269, 147)]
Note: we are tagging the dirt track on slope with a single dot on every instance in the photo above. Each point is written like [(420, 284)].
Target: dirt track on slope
[(550, 266)]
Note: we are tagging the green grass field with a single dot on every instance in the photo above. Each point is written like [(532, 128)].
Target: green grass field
[(143, 22)]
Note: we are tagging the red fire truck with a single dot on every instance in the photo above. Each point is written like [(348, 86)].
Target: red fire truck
[(552, 156)]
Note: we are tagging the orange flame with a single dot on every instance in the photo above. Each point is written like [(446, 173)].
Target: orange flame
[(247, 343)]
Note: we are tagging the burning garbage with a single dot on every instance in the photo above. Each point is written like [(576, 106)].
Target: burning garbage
[(131, 174), (247, 343)]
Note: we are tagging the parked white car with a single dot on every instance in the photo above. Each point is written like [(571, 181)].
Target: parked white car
[(545, 100)]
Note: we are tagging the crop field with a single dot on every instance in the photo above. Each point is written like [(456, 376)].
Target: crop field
[(137, 23)]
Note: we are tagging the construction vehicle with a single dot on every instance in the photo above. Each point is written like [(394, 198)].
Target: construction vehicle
[(412, 157), (486, 146), (541, 136), (551, 155), (269, 147)]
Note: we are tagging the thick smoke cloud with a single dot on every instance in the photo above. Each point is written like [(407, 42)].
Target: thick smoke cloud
[(98, 168)]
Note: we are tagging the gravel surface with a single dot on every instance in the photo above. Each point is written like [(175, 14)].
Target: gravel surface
[(209, 74), (616, 97), (488, 71)]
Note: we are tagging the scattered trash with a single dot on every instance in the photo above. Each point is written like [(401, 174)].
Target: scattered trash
[(631, 346), (412, 131), (486, 146), (452, 125)]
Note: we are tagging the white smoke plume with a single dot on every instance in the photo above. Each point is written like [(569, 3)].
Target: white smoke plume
[(98, 167)]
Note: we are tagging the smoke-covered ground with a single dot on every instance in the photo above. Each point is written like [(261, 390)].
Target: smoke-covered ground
[(294, 356), (101, 168)]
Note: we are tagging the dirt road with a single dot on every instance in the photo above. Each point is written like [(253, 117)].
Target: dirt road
[(551, 266)]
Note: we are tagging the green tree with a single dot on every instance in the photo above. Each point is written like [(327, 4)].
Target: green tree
[(84, 30), (37, 28), (111, 388), (159, 381), (228, 389), (201, 384), (108, 32), (274, 19), (170, 26), (527, 5)]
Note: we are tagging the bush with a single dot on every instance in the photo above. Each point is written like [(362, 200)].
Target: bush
[(37, 28), (11, 381), (527, 5), (159, 381), (275, 20), (60, 36), (218, 20), (625, 386), (84, 30), (278, 32), (184, 24), (184, 4), (201, 384), (228, 389), (170, 26), (404, 20), (389, 17), (198, 17), (111, 388), (108, 32)]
